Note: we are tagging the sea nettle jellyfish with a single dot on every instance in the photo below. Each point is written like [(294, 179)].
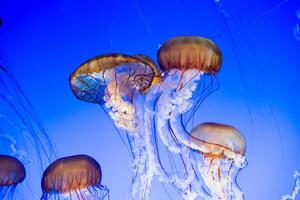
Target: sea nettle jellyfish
[(75, 177), (119, 82), (219, 171), (189, 64), (12, 172), (185, 62)]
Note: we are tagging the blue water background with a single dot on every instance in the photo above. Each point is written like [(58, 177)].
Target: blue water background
[(42, 42)]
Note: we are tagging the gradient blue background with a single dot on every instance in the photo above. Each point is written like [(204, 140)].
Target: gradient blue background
[(43, 42)]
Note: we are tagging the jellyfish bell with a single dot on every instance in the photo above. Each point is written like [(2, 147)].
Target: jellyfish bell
[(12, 172), (223, 147), (74, 177), (138, 71), (190, 52), (217, 138), (113, 80)]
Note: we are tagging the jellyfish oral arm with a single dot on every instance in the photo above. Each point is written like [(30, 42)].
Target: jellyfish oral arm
[(169, 105), (219, 176)]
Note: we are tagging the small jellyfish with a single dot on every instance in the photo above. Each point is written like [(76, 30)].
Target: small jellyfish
[(74, 177), (12, 172), (217, 170)]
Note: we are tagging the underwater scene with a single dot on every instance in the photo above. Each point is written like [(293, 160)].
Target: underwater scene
[(150, 100)]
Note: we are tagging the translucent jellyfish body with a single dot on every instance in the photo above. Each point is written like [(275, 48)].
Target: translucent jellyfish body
[(218, 171), (185, 61), (189, 64), (12, 172), (118, 83), (75, 177)]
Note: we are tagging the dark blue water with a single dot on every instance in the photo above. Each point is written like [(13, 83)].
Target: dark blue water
[(43, 42)]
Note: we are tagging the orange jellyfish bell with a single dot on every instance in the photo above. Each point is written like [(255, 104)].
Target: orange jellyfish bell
[(89, 80), (190, 52), (12, 171), (215, 137), (71, 174), (74, 177), (223, 157)]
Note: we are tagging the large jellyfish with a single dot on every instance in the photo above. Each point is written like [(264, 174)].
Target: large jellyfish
[(118, 83), (12, 172), (217, 170), (74, 177), (185, 62)]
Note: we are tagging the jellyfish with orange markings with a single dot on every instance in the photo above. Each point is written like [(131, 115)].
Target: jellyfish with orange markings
[(189, 65), (12, 173), (219, 171), (119, 82), (74, 177)]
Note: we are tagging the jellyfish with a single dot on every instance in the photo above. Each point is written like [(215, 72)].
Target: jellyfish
[(74, 177), (12, 172), (217, 170), (185, 61), (119, 82), (189, 65)]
